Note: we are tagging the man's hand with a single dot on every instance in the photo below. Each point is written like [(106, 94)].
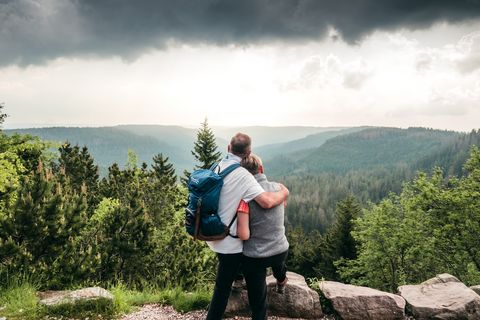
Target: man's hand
[(284, 189), (269, 200)]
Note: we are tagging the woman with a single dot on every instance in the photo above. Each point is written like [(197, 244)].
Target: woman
[(265, 242)]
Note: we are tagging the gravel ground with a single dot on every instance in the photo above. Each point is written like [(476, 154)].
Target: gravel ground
[(158, 312)]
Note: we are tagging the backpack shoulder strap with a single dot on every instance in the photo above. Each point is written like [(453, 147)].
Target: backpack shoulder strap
[(214, 166), (229, 169), (230, 225)]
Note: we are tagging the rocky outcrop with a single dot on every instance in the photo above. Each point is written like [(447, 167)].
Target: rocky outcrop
[(353, 302), (54, 298), (476, 289), (443, 297), (298, 300)]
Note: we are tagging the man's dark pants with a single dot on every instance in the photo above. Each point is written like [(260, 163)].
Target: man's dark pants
[(228, 266), (255, 271)]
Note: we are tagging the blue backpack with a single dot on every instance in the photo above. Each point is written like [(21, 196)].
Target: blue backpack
[(201, 218)]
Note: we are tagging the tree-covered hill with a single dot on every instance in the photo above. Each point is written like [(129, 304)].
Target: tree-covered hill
[(262, 135), (367, 149), (111, 144), (314, 194), (309, 142)]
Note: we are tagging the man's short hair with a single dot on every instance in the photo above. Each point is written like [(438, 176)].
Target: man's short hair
[(252, 163), (241, 145)]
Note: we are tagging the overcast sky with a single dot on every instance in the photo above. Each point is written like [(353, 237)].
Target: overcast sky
[(241, 62)]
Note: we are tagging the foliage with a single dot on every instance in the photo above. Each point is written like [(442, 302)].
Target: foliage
[(314, 255), (431, 227), (204, 151), (205, 148), (63, 225), (18, 300)]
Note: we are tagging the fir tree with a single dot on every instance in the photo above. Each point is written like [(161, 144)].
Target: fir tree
[(204, 151), (164, 170), (205, 148), (341, 239), (79, 166)]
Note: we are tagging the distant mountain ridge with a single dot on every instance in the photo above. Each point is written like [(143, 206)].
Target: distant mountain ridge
[(309, 142), (111, 144), (366, 149), (334, 149)]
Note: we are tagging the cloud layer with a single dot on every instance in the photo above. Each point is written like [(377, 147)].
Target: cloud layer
[(35, 31)]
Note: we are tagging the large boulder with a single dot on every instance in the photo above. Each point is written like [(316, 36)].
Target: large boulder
[(353, 302), (298, 300), (476, 289), (443, 297)]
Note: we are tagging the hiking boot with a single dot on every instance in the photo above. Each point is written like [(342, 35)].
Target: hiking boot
[(280, 287)]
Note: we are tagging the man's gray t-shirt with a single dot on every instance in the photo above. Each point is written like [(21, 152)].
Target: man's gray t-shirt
[(267, 230)]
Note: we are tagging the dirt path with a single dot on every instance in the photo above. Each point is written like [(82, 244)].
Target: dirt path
[(158, 312)]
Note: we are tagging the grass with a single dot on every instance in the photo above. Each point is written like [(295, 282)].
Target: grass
[(327, 307), (126, 299), (18, 300)]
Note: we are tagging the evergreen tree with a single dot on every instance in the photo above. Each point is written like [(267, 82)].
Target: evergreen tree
[(205, 148), (79, 166), (204, 151), (163, 170), (341, 240), (42, 226)]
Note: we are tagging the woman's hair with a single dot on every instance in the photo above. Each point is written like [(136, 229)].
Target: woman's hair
[(252, 163)]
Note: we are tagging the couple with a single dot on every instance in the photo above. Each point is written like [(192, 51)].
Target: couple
[(267, 245)]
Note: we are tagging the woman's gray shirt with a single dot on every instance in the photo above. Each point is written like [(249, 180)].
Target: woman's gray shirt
[(267, 230)]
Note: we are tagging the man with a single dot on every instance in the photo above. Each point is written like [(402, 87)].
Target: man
[(238, 185)]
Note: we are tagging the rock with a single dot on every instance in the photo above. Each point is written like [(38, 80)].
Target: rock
[(298, 300), (52, 298), (441, 278), (443, 297), (238, 302), (476, 289), (354, 302)]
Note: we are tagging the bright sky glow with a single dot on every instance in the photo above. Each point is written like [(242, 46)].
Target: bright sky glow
[(405, 78)]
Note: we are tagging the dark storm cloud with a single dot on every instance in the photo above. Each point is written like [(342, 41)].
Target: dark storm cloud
[(33, 31)]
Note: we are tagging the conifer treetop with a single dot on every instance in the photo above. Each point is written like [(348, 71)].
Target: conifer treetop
[(205, 147)]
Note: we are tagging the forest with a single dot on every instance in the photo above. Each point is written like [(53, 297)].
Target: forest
[(67, 226)]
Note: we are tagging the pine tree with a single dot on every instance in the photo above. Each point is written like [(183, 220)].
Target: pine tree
[(342, 241), (164, 170), (78, 168), (204, 151), (205, 148), (44, 222)]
